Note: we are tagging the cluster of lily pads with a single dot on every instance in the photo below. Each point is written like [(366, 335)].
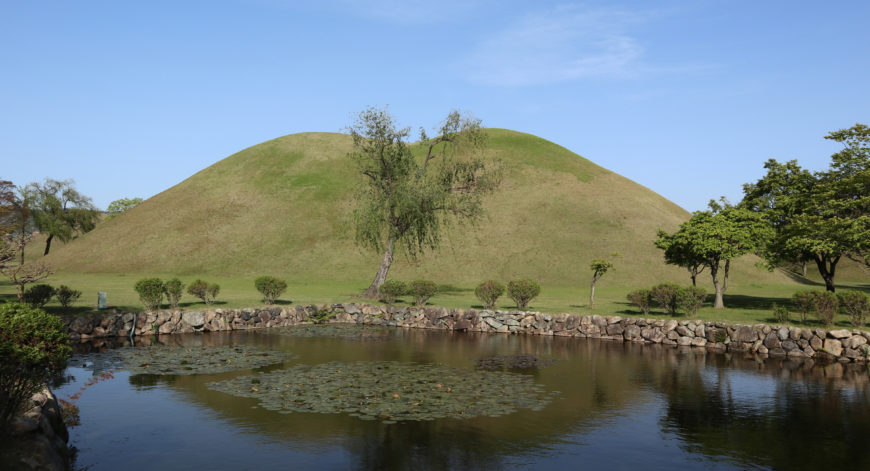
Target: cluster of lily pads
[(163, 360), (389, 391), (354, 333), (522, 361)]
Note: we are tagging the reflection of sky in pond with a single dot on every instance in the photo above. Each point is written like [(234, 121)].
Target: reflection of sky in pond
[(622, 406)]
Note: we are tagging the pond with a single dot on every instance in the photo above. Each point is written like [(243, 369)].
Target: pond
[(340, 397)]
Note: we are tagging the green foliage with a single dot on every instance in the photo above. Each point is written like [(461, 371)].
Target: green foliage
[(391, 290), (825, 305), (488, 293), (270, 287), (321, 315), (690, 299), (173, 289), (205, 291), (523, 291), (804, 301), (819, 216), (599, 268), (60, 210), (680, 251), (66, 296), (667, 296), (422, 290), (150, 292), (33, 344), (410, 201), (121, 205), (38, 296), (641, 298), (780, 313), (856, 306)]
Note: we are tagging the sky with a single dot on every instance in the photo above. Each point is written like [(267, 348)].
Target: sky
[(688, 98)]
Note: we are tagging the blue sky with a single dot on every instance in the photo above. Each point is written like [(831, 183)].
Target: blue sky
[(686, 98)]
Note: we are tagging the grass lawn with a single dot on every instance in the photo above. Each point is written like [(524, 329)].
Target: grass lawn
[(747, 303)]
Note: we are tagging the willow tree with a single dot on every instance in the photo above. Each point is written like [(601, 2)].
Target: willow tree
[(410, 198), (60, 210)]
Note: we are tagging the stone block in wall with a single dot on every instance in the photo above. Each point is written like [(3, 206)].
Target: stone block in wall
[(744, 333), (670, 325), (839, 334), (834, 347), (615, 329), (854, 341)]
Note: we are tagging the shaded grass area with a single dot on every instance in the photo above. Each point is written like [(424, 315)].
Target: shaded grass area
[(746, 304)]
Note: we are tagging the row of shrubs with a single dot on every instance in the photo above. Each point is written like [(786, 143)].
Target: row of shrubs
[(488, 292), (38, 296), (670, 297), (824, 305), (152, 290)]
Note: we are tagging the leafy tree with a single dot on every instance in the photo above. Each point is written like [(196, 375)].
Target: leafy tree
[(60, 210), (821, 216), (599, 268), (20, 274), (680, 253), (121, 205), (719, 235), (407, 200), (14, 218)]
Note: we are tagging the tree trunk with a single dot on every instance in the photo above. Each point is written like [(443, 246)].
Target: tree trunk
[(725, 278), (20, 292), (373, 290), (48, 244), (804, 268), (592, 295), (694, 275), (714, 272), (827, 267)]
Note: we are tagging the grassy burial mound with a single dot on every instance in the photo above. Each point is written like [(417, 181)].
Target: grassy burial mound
[(282, 207)]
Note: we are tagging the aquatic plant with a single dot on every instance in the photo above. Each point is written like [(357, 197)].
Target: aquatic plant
[(389, 391), (521, 361), (358, 333), (163, 360)]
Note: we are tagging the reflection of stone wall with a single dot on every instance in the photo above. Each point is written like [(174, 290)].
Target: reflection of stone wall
[(841, 345)]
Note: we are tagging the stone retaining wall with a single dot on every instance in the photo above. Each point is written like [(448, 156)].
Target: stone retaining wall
[(38, 437), (842, 345)]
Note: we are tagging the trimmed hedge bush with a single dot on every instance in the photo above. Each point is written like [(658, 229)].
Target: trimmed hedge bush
[(523, 291), (150, 292), (270, 287), (66, 296), (38, 296), (422, 290), (825, 305), (780, 313), (488, 293), (391, 290), (33, 345), (856, 306), (667, 295), (641, 298), (803, 302), (690, 299), (205, 291), (173, 289)]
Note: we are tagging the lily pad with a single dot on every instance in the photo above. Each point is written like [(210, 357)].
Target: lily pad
[(352, 333), (389, 391), (163, 360), (521, 361)]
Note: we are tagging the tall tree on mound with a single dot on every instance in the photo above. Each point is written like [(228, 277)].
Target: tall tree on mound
[(60, 210), (820, 216), (409, 200)]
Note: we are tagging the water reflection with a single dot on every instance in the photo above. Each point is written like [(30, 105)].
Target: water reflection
[(643, 404)]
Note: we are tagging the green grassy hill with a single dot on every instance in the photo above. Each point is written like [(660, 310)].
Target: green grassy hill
[(281, 208)]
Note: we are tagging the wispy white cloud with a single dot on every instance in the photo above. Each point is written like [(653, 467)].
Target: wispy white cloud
[(562, 44)]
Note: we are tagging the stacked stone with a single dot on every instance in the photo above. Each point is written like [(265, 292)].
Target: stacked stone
[(775, 341)]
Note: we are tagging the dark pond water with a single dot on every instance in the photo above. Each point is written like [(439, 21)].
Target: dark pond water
[(611, 405)]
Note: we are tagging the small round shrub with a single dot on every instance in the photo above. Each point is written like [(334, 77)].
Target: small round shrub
[(803, 301), (667, 296), (690, 299), (66, 296), (150, 292), (523, 291), (38, 295), (270, 287), (488, 293), (780, 313), (391, 290), (856, 306), (33, 345), (173, 289), (422, 290), (641, 298), (203, 290)]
